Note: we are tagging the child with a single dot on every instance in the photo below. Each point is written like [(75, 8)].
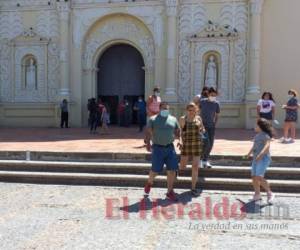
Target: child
[(190, 142), (261, 159), (291, 109)]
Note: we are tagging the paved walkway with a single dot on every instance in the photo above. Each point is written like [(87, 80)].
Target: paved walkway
[(126, 140), (75, 217)]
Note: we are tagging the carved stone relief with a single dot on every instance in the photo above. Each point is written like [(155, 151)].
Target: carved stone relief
[(115, 30)]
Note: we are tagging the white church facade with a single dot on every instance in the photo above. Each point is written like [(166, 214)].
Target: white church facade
[(52, 50)]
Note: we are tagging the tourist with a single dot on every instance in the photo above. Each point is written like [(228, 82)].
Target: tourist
[(191, 142), (261, 159), (162, 130), (93, 114), (140, 107), (209, 111), (202, 96), (266, 107), (153, 102), (291, 117), (64, 121), (99, 112)]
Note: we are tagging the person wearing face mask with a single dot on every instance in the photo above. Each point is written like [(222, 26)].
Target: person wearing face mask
[(153, 102), (162, 129), (291, 117), (209, 112), (140, 107)]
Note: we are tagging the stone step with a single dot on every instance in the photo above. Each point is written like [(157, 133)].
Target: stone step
[(230, 160), (290, 186), (141, 169)]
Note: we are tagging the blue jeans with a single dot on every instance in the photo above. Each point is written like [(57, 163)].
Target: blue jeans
[(164, 155)]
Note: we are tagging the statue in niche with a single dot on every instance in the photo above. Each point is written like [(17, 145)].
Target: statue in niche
[(30, 75), (211, 73)]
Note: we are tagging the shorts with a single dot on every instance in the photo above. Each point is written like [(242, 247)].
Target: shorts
[(259, 167), (267, 116), (162, 155)]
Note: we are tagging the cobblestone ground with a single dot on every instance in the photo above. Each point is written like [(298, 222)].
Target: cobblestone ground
[(75, 217)]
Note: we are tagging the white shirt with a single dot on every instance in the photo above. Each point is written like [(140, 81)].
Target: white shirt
[(265, 105)]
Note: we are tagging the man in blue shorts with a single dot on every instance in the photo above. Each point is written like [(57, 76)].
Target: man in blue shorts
[(162, 129)]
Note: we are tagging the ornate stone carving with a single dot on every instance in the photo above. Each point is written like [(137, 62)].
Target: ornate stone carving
[(53, 71), (256, 7), (47, 24), (171, 7), (115, 30), (64, 10), (11, 25), (201, 48), (235, 15), (5, 76), (30, 95), (150, 15), (240, 64), (192, 18)]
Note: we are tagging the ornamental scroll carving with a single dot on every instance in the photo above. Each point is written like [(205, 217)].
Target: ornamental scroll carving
[(115, 30)]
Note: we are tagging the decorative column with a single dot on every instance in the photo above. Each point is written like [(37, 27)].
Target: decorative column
[(170, 90), (253, 88), (63, 8)]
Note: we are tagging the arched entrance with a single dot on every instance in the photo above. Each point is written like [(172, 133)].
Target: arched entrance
[(121, 75)]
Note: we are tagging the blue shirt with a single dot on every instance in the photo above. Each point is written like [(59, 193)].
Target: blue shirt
[(141, 106)]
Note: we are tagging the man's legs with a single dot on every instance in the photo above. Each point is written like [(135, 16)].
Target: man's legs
[(170, 179)]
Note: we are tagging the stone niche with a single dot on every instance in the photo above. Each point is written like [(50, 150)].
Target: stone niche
[(211, 52), (29, 64)]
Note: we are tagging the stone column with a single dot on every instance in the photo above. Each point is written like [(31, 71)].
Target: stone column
[(253, 88), (170, 90), (63, 8)]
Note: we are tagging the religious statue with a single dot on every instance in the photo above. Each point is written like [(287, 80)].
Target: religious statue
[(31, 75), (211, 73)]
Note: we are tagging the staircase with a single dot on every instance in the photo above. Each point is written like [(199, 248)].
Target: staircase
[(230, 173)]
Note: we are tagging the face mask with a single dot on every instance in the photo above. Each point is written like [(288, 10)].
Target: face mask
[(140, 100), (156, 93), (290, 96), (164, 113), (212, 98)]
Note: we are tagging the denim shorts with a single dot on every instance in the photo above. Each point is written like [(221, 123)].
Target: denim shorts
[(259, 167), (162, 155)]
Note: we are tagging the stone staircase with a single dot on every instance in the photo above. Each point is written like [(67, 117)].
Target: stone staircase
[(230, 173)]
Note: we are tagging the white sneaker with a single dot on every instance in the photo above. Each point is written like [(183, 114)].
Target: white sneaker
[(270, 198), (208, 165)]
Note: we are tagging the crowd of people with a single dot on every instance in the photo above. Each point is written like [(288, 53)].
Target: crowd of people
[(195, 132)]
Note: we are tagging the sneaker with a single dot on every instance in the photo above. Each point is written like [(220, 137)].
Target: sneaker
[(256, 197), (194, 192), (172, 196), (208, 165), (270, 198), (147, 188)]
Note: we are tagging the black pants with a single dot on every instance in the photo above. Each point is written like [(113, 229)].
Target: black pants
[(64, 119), (93, 122), (208, 143)]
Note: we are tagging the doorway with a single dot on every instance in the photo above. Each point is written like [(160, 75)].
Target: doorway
[(121, 75)]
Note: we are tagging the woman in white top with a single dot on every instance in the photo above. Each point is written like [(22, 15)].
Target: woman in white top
[(266, 106)]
